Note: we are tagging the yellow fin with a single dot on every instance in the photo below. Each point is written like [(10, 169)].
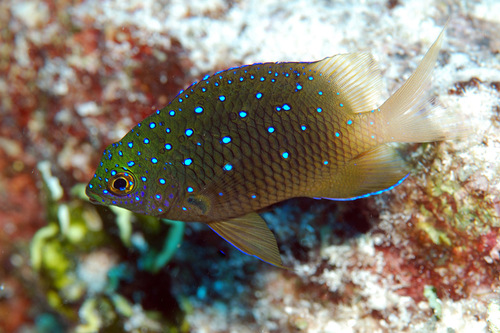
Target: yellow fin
[(357, 78), (250, 235), (372, 172), (412, 116)]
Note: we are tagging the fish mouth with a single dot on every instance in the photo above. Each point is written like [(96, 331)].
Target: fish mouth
[(94, 201), (93, 197)]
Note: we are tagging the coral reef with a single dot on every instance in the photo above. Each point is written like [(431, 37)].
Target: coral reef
[(76, 76)]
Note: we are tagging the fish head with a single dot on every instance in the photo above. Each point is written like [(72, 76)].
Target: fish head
[(120, 180)]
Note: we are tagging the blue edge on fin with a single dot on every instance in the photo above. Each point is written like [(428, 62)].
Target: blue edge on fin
[(341, 199), (371, 193), (237, 248)]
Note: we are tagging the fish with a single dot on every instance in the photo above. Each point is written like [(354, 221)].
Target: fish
[(248, 137)]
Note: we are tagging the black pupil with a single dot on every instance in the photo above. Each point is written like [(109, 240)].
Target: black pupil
[(120, 184)]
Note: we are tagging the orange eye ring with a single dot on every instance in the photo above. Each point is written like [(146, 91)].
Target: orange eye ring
[(121, 184)]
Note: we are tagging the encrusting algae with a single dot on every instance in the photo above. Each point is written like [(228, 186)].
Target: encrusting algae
[(248, 137)]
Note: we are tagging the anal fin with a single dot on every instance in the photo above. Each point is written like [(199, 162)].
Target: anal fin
[(372, 172), (250, 235)]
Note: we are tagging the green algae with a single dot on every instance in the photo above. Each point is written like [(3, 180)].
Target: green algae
[(430, 293), (86, 255)]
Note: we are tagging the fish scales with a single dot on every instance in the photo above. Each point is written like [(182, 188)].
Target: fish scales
[(248, 137)]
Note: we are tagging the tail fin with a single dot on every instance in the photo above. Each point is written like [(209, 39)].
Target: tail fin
[(413, 118)]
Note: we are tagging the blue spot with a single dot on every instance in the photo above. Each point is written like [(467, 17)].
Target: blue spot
[(154, 160), (198, 109), (222, 98), (286, 107), (262, 78), (241, 79), (189, 132), (319, 109), (320, 93), (303, 127), (243, 114), (203, 89), (349, 122), (337, 134), (226, 139), (160, 210), (184, 208), (130, 144), (157, 196), (120, 153), (206, 77), (278, 108), (190, 189), (338, 93), (221, 194), (299, 87), (146, 140), (285, 154), (162, 181), (270, 129), (373, 136), (152, 125), (137, 198), (113, 172), (180, 100), (91, 186), (144, 179), (259, 95), (130, 163), (227, 167), (310, 78), (371, 122), (325, 162), (252, 77), (167, 130), (168, 146), (105, 191), (253, 196), (172, 113), (341, 105), (188, 161)]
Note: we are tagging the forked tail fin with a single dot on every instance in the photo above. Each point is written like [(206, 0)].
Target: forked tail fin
[(411, 117)]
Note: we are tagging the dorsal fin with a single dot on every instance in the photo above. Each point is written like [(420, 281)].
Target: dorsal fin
[(357, 77)]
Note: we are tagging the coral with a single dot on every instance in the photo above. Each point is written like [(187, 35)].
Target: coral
[(76, 76)]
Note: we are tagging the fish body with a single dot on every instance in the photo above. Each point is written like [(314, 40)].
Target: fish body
[(248, 137)]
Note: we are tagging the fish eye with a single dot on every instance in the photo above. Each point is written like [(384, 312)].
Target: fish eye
[(121, 184)]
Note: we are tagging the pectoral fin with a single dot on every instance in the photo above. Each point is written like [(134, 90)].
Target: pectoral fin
[(250, 235)]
